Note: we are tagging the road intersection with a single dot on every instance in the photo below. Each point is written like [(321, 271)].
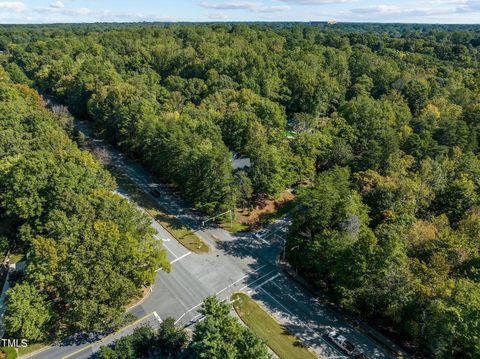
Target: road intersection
[(235, 262)]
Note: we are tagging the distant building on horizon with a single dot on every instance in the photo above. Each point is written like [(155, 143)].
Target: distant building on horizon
[(329, 22)]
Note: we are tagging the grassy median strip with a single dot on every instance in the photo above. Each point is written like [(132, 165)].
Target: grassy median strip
[(234, 227), (284, 344), (174, 226)]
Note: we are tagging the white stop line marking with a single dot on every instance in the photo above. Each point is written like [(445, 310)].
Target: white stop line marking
[(155, 314), (177, 259)]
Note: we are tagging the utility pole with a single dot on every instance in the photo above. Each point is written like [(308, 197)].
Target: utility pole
[(232, 213), (218, 215)]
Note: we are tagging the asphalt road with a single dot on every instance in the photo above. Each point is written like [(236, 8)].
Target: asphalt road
[(235, 262)]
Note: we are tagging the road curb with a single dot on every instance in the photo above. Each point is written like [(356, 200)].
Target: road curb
[(98, 342), (32, 354), (141, 300), (29, 355)]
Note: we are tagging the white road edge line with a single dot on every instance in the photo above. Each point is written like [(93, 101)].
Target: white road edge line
[(199, 304), (177, 259), (246, 275), (264, 241), (256, 270), (268, 280), (188, 311), (230, 285), (168, 249), (197, 316), (292, 297), (256, 280), (290, 313)]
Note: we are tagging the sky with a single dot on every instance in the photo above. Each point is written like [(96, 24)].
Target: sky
[(408, 11)]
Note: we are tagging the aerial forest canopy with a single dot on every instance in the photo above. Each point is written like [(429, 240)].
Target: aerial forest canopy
[(378, 125), (88, 250)]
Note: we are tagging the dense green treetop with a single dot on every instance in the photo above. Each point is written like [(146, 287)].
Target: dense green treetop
[(89, 251), (220, 335), (180, 97)]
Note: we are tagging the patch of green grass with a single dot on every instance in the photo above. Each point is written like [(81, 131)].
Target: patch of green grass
[(173, 225), (10, 352), (30, 349), (16, 257), (284, 344), (235, 227)]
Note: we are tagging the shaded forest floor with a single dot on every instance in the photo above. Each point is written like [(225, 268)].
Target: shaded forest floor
[(266, 211)]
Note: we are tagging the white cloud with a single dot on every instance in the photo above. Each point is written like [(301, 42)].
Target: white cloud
[(437, 11), (108, 15), (317, 2), (77, 11), (234, 5), (276, 8), (57, 5), (399, 10), (58, 12), (13, 6), (217, 16), (469, 6), (444, 2), (59, 8), (249, 6)]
